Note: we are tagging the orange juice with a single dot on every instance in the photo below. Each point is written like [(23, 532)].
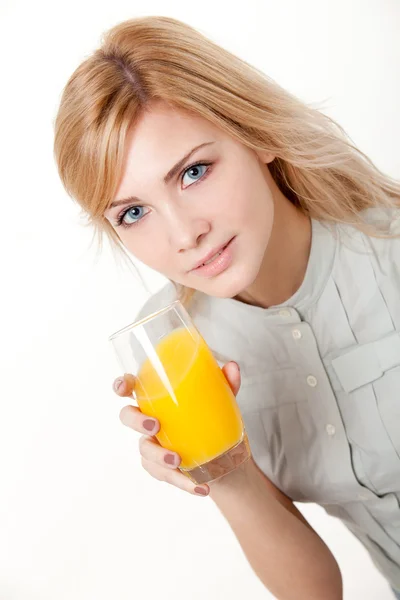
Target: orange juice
[(190, 396)]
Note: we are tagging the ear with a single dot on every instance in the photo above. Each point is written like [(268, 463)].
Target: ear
[(264, 156)]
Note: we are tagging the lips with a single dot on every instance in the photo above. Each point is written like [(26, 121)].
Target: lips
[(210, 255)]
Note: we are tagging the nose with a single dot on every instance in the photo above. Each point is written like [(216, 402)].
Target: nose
[(186, 230)]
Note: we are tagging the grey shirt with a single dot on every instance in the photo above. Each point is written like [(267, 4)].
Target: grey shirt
[(320, 392)]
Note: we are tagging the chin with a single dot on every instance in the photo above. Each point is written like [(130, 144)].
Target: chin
[(230, 283)]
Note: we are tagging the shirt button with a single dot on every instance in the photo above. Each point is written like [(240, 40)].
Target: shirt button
[(296, 333), (284, 312), (330, 429), (311, 380)]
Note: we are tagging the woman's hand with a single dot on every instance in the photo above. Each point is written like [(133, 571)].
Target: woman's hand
[(157, 461)]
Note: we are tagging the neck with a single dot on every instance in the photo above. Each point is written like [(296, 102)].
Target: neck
[(286, 258)]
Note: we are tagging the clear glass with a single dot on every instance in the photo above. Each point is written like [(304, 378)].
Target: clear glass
[(179, 382)]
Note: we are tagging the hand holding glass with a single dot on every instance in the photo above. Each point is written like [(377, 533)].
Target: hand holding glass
[(179, 382)]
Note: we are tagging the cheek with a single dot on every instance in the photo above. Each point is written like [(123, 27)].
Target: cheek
[(228, 200), (246, 201), (154, 255)]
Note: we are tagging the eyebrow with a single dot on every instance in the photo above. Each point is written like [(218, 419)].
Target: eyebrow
[(171, 173)]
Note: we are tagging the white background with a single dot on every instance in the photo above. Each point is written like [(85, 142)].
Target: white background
[(79, 517)]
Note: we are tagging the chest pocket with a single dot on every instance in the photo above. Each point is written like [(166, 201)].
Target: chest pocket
[(369, 376)]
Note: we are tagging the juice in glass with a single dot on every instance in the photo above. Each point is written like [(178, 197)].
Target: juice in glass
[(197, 410)]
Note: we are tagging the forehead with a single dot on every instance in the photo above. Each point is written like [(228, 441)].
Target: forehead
[(166, 132)]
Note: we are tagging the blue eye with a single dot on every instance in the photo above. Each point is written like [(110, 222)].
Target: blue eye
[(129, 212), (132, 211), (194, 168)]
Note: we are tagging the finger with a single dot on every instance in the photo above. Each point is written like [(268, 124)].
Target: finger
[(124, 386), (232, 373), (175, 477), (134, 418), (151, 450)]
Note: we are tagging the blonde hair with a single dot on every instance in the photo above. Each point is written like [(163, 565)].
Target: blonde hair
[(157, 58)]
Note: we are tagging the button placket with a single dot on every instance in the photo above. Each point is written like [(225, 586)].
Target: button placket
[(324, 411)]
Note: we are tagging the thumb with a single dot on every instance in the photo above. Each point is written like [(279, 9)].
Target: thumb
[(232, 373)]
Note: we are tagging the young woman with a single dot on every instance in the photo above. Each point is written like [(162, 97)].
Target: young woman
[(183, 154)]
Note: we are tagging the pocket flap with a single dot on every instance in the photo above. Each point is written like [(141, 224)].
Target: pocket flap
[(367, 362)]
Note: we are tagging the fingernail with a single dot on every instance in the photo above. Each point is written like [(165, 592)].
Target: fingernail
[(117, 383), (169, 459), (200, 491), (149, 424)]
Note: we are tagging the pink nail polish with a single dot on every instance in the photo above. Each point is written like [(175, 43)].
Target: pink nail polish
[(149, 424)]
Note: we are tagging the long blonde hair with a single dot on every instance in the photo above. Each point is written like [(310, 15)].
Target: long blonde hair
[(155, 58)]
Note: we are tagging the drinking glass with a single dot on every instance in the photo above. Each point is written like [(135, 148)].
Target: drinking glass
[(179, 382)]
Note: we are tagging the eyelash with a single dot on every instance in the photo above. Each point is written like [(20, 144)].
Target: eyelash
[(120, 219)]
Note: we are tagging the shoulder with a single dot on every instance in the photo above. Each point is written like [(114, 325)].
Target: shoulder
[(384, 217), (387, 223), (385, 249)]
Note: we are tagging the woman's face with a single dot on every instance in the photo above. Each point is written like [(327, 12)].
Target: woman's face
[(220, 192)]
